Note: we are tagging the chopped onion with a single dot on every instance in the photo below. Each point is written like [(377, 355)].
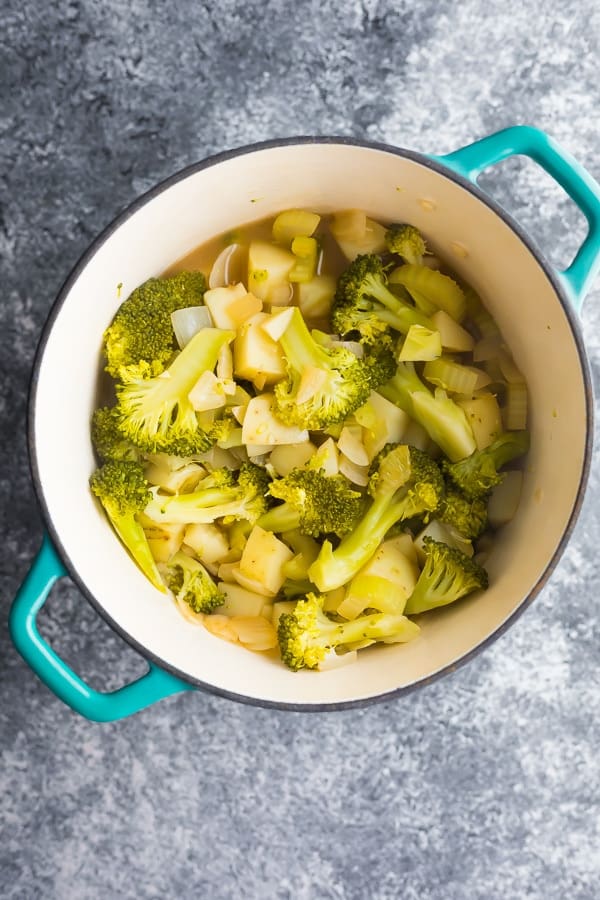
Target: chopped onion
[(188, 322), (356, 474), (351, 445), (220, 274), (352, 346)]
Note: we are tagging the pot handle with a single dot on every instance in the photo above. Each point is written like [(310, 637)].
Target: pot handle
[(155, 684), (470, 161)]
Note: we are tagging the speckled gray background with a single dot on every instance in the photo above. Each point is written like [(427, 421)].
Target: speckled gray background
[(484, 785)]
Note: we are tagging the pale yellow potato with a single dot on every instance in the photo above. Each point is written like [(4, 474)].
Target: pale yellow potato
[(207, 541), (239, 601), (256, 356), (261, 425), (286, 457), (219, 300), (268, 269), (484, 418), (264, 557)]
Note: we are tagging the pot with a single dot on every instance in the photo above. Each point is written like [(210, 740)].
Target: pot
[(534, 304)]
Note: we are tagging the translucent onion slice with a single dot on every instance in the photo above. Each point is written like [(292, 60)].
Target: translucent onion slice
[(188, 322), (221, 273), (352, 346), (254, 632)]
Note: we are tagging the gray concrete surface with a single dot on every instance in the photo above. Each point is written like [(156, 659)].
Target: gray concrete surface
[(484, 785)]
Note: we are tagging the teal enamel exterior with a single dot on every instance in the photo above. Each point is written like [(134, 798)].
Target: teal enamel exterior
[(47, 567), (156, 684), (523, 140)]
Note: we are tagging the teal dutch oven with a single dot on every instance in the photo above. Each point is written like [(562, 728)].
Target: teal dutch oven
[(535, 305)]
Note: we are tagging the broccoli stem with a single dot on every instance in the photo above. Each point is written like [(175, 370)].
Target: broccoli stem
[(133, 537), (280, 518), (333, 568), (299, 346), (200, 355), (400, 315), (443, 420)]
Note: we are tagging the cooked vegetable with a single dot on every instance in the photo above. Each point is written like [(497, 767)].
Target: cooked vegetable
[(108, 439), (306, 635), (478, 473), (446, 576), (311, 451), (314, 503), (406, 484), (223, 495), (323, 386), (468, 516), (406, 241), (156, 413), (431, 290), (444, 421), (364, 303), (123, 491), (141, 338), (191, 583)]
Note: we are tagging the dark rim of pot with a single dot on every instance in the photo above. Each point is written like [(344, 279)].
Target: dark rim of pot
[(141, 201)]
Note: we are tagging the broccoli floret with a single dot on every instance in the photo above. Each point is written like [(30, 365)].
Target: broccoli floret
[(121, 487), (476, 475), (190, 582), (406, 241), (467, 516), (156, 414), (336, 381), (446, 576), (223, 495), (380, 360), (442, 418), (406, 484), (307, 635), (313, 502), (364, 303), (107, 439), (141, 335)]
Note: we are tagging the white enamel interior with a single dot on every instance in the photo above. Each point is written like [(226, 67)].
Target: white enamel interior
[(248, 187)]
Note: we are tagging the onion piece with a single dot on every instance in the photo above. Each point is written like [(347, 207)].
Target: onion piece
[(188, 322), (356, 474), (352, 346), (221, 274)]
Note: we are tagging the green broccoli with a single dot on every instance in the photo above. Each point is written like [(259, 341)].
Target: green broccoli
[(306, 635), (467, 516), (476, 475), (190, 582), (156, 414), (406, 241), (294, 588), (141, 336), (223, 494), (121, 487), (107, 439), (407, 483), (380, 360), (442, 418), (364, 303), (446, 576), (337, 381), (313, 502)]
